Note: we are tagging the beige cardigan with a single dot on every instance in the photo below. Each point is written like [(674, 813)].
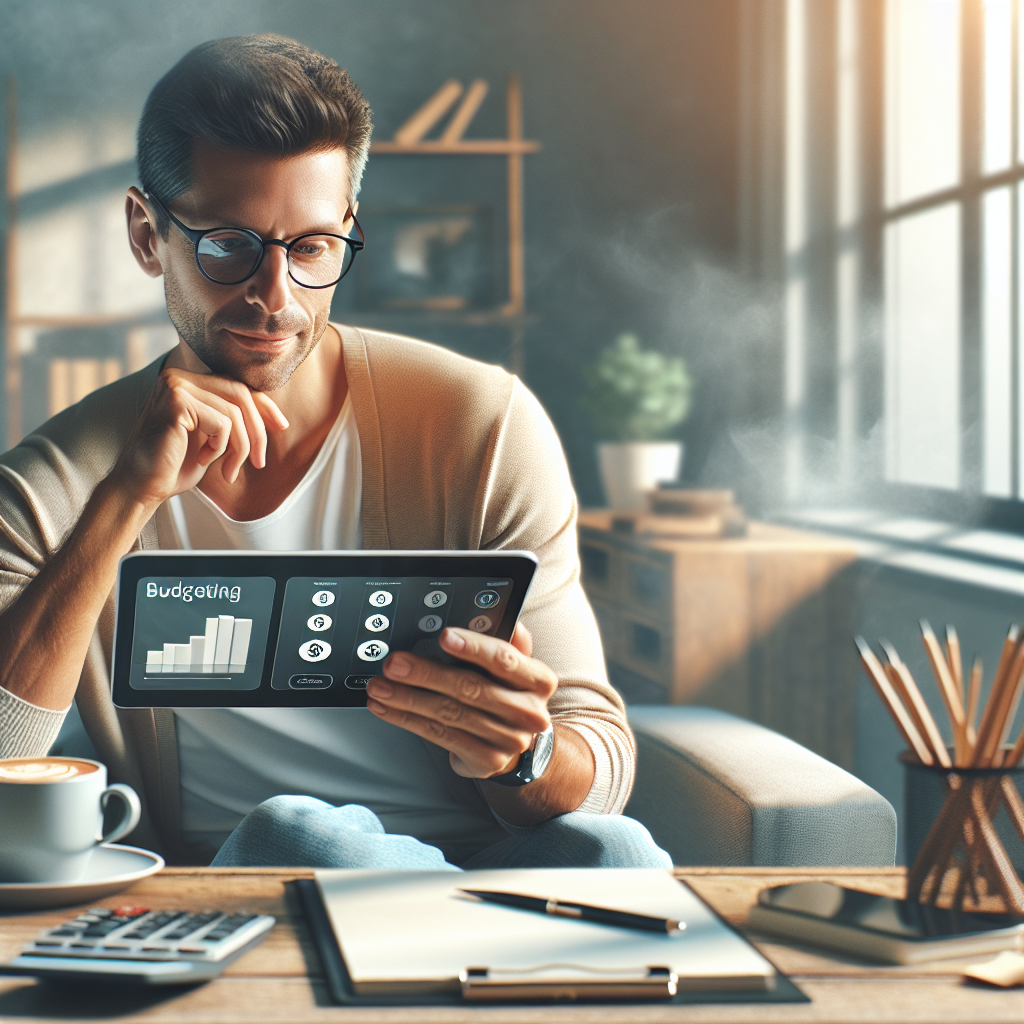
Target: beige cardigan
[(455, 455)]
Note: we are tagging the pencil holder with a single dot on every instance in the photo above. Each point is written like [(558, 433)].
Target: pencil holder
[(964, 836)]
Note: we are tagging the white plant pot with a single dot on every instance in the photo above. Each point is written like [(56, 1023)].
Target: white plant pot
[(630, 470)]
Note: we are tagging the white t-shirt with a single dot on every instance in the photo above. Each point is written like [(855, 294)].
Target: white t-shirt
[(233, 759)]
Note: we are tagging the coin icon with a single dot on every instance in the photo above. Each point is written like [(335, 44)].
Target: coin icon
[(323, 598), (480, 624), (315, 650), (376, 622), (318, 623), (430, 623), (381, 598), (486, 599), (435, 599), (372, 650)]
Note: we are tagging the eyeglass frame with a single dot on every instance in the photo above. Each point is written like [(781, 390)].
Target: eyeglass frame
[(195, 236)]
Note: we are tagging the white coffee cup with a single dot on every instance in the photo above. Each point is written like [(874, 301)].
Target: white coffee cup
[(51, 816)]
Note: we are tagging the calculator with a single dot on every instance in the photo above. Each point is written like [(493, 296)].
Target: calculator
[(154, 947)]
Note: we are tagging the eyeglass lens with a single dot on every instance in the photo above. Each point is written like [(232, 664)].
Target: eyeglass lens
[(229, 256)]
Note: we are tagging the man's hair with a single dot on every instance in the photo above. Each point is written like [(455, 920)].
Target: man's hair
[(263, 93)]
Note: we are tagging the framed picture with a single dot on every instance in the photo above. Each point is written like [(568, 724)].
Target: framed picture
[(427, 258)]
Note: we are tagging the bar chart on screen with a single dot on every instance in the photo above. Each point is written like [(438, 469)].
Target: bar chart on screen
[(222, 650)]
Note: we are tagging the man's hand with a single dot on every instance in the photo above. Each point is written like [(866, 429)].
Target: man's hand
[(191, 420), (486, 722)]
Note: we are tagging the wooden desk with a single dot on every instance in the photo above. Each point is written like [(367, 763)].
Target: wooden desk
[(281, 980), (758, 625)]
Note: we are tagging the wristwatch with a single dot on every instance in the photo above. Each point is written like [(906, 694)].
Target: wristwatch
[(532, 763)]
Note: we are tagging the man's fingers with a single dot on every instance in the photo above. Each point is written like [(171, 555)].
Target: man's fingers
[(519, 708), (196, 417), (501, 660), (255, 428), (508, 728), (252, 410), (269, 411), (522, 640), (238, 445), (480, 758)]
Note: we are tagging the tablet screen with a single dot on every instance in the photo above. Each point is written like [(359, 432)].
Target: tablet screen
[(268, 629)]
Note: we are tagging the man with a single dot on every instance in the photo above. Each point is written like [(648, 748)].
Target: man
[(270, 428)]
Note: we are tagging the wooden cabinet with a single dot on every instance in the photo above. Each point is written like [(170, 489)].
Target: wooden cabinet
[(758, 625)]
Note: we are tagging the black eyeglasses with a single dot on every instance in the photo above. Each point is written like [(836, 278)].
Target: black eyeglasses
[(233, 255)]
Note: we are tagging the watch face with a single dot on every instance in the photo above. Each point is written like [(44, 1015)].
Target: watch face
[(542, 751)]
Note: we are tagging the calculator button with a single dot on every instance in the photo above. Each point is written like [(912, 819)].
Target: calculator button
[(381, 598), (480, 624), (430, 623), (97, 931), (486, 599), (435, 599), (323, 598), (377, 623), (319, 622), (129, 911)]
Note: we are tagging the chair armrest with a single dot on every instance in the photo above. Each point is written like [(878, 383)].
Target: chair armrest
[(715, 789)]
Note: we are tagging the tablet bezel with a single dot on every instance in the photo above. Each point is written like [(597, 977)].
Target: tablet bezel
[(518, 566)]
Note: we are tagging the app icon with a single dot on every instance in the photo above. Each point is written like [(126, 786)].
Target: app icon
[(381, 598), (435, 599), (480, 624), (372, 650), (430, 623), (315, 650), (318, 623), (323, 598), (376, 622), (486, 599)]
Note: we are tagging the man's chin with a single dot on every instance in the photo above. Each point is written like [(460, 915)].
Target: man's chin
[(259, 371)]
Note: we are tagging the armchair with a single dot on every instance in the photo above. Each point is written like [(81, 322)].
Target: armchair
[(718, 790)]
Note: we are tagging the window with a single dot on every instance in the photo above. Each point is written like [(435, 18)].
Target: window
[(902, 153)]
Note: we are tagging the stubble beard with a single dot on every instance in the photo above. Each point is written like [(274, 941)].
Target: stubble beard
[(257, 371)]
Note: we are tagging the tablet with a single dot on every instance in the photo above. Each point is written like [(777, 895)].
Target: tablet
[(251, 629)]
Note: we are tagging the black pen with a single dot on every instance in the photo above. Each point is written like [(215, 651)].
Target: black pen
[(580, 911)]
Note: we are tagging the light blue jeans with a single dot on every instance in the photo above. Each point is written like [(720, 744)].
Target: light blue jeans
[(301, 831)]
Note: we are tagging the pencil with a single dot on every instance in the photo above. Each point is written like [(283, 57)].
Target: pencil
[(903, 720)]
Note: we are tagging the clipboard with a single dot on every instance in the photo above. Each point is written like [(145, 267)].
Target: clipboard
[(487, 985)]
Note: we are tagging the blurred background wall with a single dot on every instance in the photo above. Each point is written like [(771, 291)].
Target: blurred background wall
[(631, 215)]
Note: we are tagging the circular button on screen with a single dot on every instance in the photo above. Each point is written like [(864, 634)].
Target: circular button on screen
[(318, 623), (372, 650), (323, 598), (430, 623), (480, 624), (435, 599), (486, 599), (315, 650), (376, 622), (381, 598)]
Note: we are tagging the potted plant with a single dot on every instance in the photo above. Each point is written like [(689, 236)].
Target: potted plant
[(635, 397)]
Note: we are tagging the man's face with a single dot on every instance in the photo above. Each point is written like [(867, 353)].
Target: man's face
[(261, 330)]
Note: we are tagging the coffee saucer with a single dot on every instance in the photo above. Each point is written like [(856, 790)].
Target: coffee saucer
[(111, 868)]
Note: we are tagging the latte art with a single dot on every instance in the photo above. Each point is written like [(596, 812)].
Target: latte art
[(43, 769)]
